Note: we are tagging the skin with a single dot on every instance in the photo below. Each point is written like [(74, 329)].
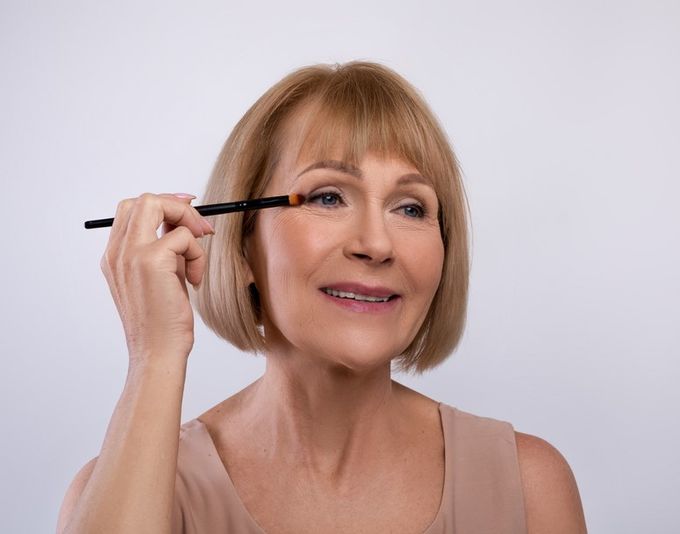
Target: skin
[(129, 487), (326, 410), (329, 422), (371, 236), (326, 403)]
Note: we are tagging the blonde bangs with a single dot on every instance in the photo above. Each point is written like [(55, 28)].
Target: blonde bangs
[(345, 123), (342, 127)]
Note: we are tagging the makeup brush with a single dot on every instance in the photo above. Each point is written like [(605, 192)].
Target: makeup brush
[(225, 207)]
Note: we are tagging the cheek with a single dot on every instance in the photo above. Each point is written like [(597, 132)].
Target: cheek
[(424, 256), (295, 250)]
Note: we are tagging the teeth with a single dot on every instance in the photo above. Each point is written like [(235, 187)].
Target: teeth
[(355, 296)]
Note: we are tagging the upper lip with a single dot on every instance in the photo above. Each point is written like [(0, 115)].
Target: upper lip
[(361, 289)]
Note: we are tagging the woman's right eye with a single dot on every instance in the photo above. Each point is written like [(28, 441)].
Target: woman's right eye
[(326, 198)]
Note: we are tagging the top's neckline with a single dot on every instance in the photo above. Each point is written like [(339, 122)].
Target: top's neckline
[(431, 529)]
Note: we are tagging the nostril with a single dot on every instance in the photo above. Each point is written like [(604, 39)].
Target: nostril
[(365, 257)]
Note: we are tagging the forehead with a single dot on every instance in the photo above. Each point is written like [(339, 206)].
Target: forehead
[(314, 136), (402, 171), (300, 162)]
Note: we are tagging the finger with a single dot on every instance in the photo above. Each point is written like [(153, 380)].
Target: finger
[(167, 227), (207, 227), (118, 229), (121, 219), (181, 268), (151, 210), (185, 245), (181, 273)]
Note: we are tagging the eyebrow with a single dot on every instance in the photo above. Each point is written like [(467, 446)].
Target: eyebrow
[(336, 166), (347, 168)]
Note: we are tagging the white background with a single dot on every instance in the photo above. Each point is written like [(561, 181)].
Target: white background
[(564, 115)]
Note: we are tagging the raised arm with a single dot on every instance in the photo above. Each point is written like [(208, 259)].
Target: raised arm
[(129, 487)]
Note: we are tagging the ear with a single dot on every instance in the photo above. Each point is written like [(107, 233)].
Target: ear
[(246, 256), (245, 261)]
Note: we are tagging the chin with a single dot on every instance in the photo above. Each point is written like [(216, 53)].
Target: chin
[(357, 358), (350, 349)]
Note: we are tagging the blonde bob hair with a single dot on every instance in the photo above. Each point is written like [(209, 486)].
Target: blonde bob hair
[(356, 107)]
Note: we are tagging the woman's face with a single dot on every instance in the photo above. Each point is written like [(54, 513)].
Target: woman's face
[(324, 269)]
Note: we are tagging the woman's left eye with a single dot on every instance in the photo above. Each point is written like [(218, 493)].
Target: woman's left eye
[(415, 211)]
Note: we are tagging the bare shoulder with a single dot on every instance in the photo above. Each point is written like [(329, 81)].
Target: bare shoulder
[(551, 496), (228, 409), (73, 493)]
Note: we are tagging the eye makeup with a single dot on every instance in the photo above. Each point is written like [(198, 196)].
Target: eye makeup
[(414, 201)]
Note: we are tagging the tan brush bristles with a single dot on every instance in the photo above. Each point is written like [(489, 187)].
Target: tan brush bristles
[(295, 199)]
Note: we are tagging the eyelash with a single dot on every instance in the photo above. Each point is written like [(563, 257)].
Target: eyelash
[(422, 211)]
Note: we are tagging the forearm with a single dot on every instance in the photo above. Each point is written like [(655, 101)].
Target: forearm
[(132, 486)]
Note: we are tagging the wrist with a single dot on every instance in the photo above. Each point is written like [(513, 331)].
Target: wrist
[(155, 365)]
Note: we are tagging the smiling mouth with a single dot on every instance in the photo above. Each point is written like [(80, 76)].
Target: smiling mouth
[(356, 296)]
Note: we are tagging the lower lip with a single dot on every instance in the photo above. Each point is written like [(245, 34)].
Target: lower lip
[(363, 306)]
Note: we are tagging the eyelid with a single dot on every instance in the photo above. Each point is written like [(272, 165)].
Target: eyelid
[(422, 207), (415, 200), (411, 198), (318, 193), (324, 190)]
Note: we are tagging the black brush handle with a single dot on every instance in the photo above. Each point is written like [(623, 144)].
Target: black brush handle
[(215, 209)]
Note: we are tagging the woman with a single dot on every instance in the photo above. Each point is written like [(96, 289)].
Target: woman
[(371, 268)]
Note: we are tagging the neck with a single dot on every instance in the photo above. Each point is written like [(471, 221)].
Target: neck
[(325, 419)]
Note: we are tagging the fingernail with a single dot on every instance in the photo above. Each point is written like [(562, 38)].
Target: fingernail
[(208, 226), (184, 195)]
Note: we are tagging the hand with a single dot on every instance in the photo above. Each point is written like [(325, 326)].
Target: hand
[(146, 274)]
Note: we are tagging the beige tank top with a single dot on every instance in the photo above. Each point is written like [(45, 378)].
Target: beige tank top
[(482, 487)]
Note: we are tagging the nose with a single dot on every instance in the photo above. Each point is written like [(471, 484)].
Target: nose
[(370, 240)]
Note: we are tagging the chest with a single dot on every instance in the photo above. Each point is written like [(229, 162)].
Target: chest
[(403, 499)]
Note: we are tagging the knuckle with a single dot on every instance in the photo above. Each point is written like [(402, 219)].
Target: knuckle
[(149, 199), (107, 260), (104, 264), (124, 205), (184, 231)]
